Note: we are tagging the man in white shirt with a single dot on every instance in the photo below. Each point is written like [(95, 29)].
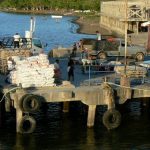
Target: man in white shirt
[(98, 35), (16, 40)]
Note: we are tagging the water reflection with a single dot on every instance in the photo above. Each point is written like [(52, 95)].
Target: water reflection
[(67, 131), (24, 142)]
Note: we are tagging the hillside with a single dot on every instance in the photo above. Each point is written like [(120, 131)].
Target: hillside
[(51, 4)]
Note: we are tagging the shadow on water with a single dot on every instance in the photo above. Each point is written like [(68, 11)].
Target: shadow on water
[(67, 131)]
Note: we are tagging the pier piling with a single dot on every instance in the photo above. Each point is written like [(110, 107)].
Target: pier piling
[(91, 115)]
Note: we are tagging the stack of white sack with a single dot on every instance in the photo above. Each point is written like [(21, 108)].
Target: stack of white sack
[(33, 71)]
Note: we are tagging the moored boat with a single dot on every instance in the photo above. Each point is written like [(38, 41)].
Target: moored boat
[(56, 17)]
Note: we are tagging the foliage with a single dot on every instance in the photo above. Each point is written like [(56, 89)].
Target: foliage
[(52, 4)]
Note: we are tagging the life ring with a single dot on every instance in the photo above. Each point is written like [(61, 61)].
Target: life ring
[(30, 103), (111, 119), (27, 125)]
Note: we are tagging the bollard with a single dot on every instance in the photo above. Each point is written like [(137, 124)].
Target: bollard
[(108, 95), (125, 91)]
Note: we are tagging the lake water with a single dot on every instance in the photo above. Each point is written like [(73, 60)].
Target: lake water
[(67, 131), (54, 33)]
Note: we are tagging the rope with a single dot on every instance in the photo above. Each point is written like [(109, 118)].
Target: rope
[(4, 96), (126, 86), (111, 83)]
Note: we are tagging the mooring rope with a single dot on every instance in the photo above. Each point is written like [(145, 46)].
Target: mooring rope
[(111, 83), (4, 96)]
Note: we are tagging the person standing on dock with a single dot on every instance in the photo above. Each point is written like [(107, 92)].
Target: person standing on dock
[(80, 45), (98, 36), (74, 50), (16, 40), (129, 40), (70, 70), (57, 71)]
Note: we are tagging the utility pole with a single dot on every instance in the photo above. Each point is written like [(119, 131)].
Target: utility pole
[(32, 26), (126, 34), (125, 81)]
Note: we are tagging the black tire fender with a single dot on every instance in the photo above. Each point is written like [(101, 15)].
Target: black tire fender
[(30, 103), (111, 119), (136, 56), (27, 125)]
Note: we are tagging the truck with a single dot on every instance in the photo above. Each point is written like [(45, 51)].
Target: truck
[(115, 47)]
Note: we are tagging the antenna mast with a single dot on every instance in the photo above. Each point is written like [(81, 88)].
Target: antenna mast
[(32, 26)]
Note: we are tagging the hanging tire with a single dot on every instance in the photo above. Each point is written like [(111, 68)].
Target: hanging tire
[(111, 119), (102, 55), (139, 57), (30, 103), (27, 125)]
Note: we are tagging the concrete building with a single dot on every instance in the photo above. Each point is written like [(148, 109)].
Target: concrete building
[(114, 14)]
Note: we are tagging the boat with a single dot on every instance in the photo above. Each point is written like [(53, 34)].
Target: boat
[(27, 42), (56, 17)]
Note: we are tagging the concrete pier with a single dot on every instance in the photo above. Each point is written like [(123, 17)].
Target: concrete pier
[(23, 99), (29, 100)]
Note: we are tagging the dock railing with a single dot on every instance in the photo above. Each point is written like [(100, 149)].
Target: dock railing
[(96, 69), (106, 70)]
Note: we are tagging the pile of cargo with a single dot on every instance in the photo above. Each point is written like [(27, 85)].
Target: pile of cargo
[(6, 54), (34, 71)]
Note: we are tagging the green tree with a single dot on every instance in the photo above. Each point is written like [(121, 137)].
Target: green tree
[(52, 4)]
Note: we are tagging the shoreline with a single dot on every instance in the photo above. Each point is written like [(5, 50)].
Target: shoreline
[(86, 27), (88, 24)]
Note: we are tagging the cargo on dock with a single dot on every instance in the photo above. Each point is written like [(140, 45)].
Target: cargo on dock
[(28, 96)]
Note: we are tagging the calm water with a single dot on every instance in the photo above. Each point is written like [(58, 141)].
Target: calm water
[(67, 131), (54, 33)]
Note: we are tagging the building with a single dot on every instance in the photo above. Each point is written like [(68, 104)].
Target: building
[(114, 14)]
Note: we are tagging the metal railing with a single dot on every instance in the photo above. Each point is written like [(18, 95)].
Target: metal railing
[(8, 42), (94, 69)]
